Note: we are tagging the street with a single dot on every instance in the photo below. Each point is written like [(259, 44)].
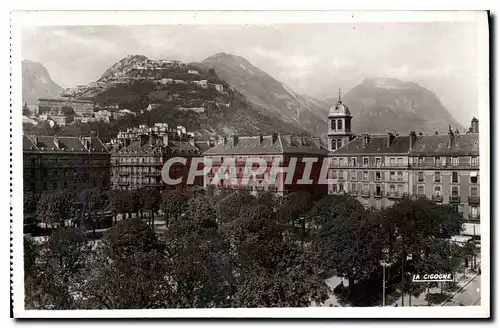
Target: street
[(470, 295)]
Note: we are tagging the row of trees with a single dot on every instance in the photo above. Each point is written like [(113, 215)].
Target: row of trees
[(237, 250)]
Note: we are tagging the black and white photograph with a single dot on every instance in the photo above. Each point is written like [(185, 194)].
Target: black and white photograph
[(249, 164)]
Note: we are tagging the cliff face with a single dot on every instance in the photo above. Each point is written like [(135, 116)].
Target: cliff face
[(37, 83), (268, 94), (379, 104)]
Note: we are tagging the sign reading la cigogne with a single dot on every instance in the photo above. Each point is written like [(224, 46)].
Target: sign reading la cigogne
[(429, 277)]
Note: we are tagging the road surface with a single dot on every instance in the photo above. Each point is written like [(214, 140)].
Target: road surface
[(470, 295)]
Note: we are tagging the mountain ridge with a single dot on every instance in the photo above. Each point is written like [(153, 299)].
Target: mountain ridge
[(37, 82)]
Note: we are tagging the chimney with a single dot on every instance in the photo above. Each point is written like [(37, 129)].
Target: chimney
[(366, 140), (191, 141), (390, 139), (233, 140), (303, 141), (165, 139), (317, 141), (127, 142), (224, 140), (144, 139), (413, 139), (451, 135), (274, 137), (57, 142), (261, 139), (474, 125)]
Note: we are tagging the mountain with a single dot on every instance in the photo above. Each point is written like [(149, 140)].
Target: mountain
[(37, 82), (268, 94), (180, 94), (378, 104)]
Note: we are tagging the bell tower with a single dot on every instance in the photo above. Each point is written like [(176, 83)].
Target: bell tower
[(339, 125)]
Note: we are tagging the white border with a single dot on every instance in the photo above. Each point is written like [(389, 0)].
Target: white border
[(20, 20)]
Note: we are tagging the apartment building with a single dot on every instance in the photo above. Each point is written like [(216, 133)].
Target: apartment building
[(273, 149), (64, 163)]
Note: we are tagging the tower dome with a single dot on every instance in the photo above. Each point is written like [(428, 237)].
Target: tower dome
[(339, 109)]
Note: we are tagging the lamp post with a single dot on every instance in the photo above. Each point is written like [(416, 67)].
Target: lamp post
[(384, 264)]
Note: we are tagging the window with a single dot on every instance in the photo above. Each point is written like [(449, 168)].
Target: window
[(341, 175), (454, 161), (365, 188), (473, 191), (378, 204), (392, 176), (400, 161), (454, 191), (341, 187), (420, 190), (341, 161), (378, 161), (400, 189), (365, 161), (334, 144), (378, 175), (333, 174), (437, 161), (334, 188), (378, 190), (474, 161), (353, 187), (454, 177), (437, 176), (392, 161), (335, 162), (392, 189), (443, 161), (420, 161), (365, 175), (400, 176), (339, 143), (339, 124), (354, 175), (473, 177), (333, 125), (437, 191), (474, 211), (353, 161)]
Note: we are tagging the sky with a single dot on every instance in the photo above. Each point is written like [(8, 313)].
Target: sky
[(312, 59)]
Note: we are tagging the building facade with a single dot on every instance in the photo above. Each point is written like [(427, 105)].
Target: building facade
[(64, 163), (273, 149), (372, 168), (138, 156), (445, 168)]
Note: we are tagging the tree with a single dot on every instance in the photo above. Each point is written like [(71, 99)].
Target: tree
[(128, 269), (172, 205), (59, 271), (199, 258), (293, 210), (228, 208), (270, 270), (152, 201), (54, 208), (93, 202), (30, 200)]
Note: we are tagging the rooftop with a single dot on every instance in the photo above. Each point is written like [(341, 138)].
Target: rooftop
[(270, 144), (62, 144), (462, 144)]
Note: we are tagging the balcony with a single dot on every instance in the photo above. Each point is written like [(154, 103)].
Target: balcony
[(473, 218), (394, 195), (123, 173), (454, 199), (473, 200), (377, 194), (437, 198), (353, 193), (365, 193)]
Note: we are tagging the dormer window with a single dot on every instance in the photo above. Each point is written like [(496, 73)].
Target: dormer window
[(339, 143)]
